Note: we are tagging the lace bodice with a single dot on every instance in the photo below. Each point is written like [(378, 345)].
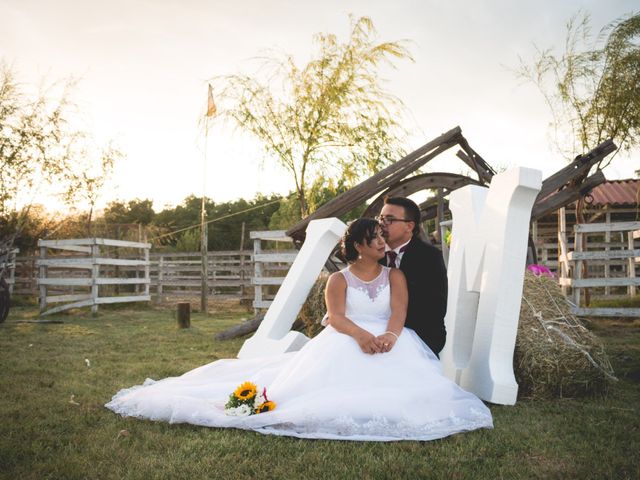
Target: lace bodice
[(368, 300)]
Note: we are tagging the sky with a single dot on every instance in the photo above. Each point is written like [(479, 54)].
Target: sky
[(144, 65)]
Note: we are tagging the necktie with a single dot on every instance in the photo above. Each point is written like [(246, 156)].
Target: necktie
[(392, 255), (391, 258)]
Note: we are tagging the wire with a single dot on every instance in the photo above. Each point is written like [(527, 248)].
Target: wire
[(217, 219)]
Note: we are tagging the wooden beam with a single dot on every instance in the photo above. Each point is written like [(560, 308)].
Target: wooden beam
[(68, 306), (603, 254), (132, 298), (274, 235), (603, 282), (75, 282), (121, 243), (267, 281), (425, 181), (606, 227), (568, 195), (380, 181), (480, 166), (274, 257), (68, 298), (578, 168), (606, 312)]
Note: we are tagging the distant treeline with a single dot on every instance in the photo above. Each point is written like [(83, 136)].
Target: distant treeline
[(173, 228)]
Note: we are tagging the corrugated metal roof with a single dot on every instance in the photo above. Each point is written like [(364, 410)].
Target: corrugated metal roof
[(616, 192)]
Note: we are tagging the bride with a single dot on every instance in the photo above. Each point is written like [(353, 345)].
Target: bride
[(364, 377)]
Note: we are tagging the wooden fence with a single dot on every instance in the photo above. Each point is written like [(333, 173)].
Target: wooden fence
[(10, 268), (599, 259), (87, 264), (25, 280), (175, 276), (179, 275), (270, 267)]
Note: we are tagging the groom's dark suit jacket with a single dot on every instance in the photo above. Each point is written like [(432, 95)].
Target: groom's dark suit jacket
[(423, 266)]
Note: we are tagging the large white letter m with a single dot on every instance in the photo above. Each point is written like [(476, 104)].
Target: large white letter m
[(486, 273)]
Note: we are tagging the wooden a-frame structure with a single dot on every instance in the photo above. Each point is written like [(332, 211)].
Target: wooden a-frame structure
[(562, 188)]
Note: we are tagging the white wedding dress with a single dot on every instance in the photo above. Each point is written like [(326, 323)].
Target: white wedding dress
[(329, 389)]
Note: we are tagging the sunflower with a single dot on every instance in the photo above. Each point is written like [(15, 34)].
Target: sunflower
[(246, 391), (266, 407)]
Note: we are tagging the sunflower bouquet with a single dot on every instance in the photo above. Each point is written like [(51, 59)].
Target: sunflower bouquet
[(248, 400)]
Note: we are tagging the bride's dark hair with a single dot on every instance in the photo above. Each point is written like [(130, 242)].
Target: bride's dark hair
[(360, 231)]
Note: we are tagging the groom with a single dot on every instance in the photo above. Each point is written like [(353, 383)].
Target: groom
[(423, 267)]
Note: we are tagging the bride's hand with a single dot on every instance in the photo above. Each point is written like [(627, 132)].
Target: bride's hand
[(388, 341), (369, 343)]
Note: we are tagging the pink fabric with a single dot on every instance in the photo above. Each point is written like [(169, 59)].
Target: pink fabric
[(540, 271)]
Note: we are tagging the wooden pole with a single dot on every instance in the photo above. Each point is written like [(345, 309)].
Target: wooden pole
[(632, 263), (563, 251), (42, 274), (577, 272), (204, 271), (95, 273), (184, 315), (241, 273), (159, 297), (257, 273), (117, 255), (607, 240), (439, 216), (137, 285), (147, 269)]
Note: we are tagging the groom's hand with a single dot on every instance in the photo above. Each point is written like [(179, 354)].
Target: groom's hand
[(369, 343)]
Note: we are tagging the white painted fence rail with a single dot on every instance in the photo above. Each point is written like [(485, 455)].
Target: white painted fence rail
[(627, 254), (270, 267), (86, 256)]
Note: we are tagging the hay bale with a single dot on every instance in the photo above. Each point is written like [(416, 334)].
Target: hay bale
[(313, 310), (555, 355)]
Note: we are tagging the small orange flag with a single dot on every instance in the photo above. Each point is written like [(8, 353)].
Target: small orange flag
[(211, 106)]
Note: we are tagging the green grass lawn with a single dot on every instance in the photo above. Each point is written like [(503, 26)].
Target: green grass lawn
[(53, 423)]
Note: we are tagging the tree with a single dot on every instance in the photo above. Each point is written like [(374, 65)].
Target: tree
[(86, 184), (330, 116), (40, 148), (134, 211), (592, 89), (225, 221), (35, 139), (34, 225), (320, 193)]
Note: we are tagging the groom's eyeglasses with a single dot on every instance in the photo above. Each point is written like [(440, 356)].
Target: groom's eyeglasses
[(389, 220)]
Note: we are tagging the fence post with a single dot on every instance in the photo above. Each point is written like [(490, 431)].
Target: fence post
[(562, 248), (95, 272), (147, 271), (159, 298), (184, 315), (11, 260), (204, 272), (42, 274), (632, 263), (241, 273), (577, 273), (257, 273)]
